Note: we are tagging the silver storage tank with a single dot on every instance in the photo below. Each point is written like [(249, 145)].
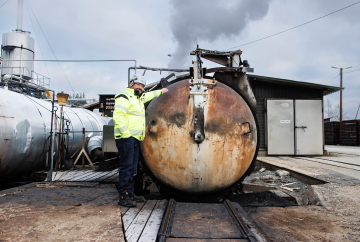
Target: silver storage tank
[(25, 129), (18, 45)]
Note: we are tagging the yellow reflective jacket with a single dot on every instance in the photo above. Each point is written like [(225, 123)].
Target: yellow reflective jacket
[(129, 113)]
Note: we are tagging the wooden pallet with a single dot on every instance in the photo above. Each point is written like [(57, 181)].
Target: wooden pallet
[(84, 175), (142, 223)]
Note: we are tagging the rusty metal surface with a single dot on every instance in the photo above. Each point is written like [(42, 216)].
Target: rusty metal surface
[(203, 220), (215, 164), (240, 82)]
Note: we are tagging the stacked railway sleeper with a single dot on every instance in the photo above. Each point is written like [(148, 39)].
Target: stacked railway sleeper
[(169, 220), (332, 133), (349, 132)]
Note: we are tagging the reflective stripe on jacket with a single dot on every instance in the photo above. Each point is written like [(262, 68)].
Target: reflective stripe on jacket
[(129, 113)]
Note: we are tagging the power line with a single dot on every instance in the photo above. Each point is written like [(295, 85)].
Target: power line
[(356, 66), (352, 71), (4, 3), (331, 76), (51, 47), (295, 26), (352, 100), (37, 39), (332, 79)]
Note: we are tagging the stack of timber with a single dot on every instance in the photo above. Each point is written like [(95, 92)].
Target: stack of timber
[(332, 133), (349, 133)]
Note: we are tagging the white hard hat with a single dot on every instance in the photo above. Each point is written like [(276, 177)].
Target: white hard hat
[(138, 79)]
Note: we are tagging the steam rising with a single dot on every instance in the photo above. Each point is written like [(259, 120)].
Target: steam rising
[(209, 20)]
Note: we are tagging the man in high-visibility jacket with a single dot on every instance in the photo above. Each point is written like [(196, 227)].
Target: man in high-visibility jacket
[(129, 130)]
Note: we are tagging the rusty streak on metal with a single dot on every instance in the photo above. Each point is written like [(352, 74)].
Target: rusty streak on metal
[(215, 164)]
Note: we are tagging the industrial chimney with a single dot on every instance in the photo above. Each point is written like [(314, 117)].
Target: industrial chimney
[(18, 45)]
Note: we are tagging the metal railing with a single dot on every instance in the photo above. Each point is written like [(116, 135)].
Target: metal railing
[(35, 78)]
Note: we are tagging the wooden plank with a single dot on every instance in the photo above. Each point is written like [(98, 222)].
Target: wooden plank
[(56, 175), (123, 210), (86, 176), (130, 215), (65, 174), (94, 176), (114, 177), (134, 231), (60, 175), (72, 174), (106, 175), (153, 225)]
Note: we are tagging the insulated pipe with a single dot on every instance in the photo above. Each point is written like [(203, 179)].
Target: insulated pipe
[(95, 142), (25, 124), (20, 15)]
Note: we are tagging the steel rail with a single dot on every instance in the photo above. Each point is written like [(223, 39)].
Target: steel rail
[(335, 161), (248, 234), (167, 221)]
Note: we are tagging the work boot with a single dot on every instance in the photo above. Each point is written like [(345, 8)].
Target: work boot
[(135, 198), (124, 200)]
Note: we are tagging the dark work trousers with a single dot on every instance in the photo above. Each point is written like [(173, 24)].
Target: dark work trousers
[(129, 154)]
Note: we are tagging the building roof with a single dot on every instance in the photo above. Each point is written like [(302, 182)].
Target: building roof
[(87, 106), (326, 89)]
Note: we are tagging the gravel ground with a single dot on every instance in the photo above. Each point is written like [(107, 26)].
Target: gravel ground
[(61, 214)]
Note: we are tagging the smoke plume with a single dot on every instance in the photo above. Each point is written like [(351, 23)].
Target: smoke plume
[(195, 20)]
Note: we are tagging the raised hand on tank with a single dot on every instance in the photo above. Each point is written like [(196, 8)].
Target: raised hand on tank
[(164, 90)]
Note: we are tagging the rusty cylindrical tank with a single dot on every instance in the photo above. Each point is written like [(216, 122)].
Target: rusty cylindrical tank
[(181, 164)]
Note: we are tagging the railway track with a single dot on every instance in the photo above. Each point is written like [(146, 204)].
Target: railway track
[(343, 162), (192, 222)]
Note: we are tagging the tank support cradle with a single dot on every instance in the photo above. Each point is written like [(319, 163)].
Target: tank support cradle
[(215, 221)]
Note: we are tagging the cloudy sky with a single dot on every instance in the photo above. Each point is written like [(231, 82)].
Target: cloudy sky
[(150, 30)]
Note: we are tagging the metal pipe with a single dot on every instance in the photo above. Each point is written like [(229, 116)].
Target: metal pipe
[(57, 165), (49, 174), (153, 69), (20, 15)]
